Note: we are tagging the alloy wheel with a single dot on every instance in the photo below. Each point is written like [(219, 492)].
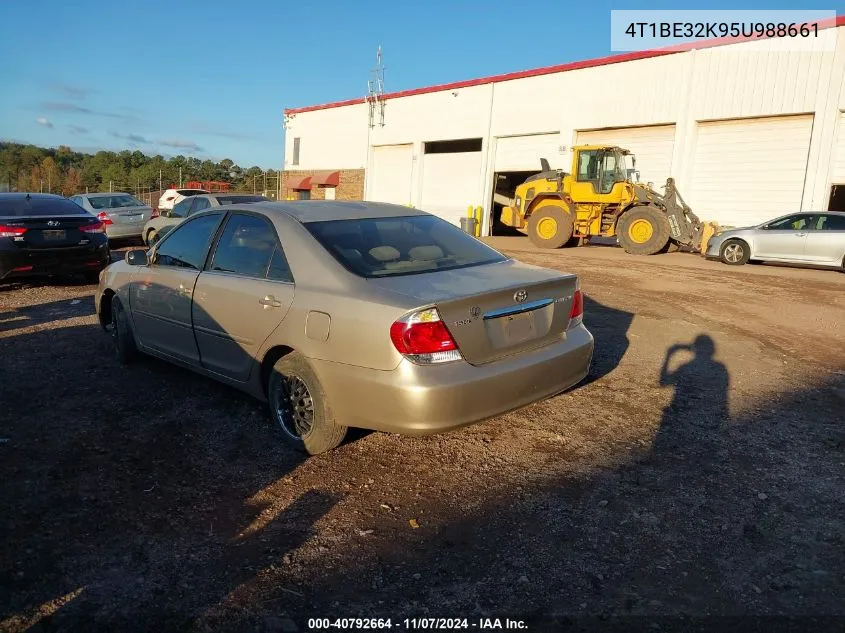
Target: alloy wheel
[(294, 406)]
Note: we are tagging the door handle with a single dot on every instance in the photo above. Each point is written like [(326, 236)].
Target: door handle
[(270, 302)]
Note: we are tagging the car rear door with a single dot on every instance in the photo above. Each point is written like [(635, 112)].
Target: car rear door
[(242, 295), (161, 294), (783, 239), (826, 240)]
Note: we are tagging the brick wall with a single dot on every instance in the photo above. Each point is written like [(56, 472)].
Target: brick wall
[(350, 186)]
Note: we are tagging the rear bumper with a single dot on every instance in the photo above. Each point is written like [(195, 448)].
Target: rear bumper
[(116, 231), (17, 262), (419, 400)]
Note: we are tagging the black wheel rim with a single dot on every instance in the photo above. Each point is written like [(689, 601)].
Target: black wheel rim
[(294, 406)]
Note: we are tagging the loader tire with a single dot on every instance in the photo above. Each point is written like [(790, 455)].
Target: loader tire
[(550, 225), (643, 230)]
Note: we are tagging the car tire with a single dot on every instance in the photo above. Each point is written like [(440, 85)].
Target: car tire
[(124, 342), (299, 406), (734, 253), (152, 237)]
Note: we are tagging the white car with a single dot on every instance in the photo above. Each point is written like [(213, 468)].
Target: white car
[(172, 197)]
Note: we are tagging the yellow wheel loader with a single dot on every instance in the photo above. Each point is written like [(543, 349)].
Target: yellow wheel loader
[(602, 196)]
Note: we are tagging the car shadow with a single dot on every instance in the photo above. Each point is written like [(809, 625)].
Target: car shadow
[(609, 327)]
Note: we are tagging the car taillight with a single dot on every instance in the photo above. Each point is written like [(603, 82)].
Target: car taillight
[(576, 314), (103, 217), (97, 227), (11, 231), (423, 338), (154, 214)]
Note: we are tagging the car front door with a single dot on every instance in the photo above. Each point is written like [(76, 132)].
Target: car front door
[(826, 240), (161, 294), (783, 239), (242, 295)]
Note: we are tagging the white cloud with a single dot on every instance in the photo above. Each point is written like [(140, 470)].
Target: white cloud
[(44, 121)]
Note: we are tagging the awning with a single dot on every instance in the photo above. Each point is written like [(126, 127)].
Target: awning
[(326, 178), (300, 182)]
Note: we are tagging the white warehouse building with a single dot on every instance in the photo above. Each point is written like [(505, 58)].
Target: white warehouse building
[(749, 130)]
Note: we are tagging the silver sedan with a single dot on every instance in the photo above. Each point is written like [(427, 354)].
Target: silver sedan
[(122, 214), (813, 237)]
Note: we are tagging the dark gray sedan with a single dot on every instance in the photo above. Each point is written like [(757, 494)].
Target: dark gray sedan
[(159, 225)]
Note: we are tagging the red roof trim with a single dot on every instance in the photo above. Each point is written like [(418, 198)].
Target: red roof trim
[(559, 68)]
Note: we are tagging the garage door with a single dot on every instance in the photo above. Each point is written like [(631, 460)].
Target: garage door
[(750, 170), (523, 153), (652, 147), (838, 169), (391, 174), (451, 183)]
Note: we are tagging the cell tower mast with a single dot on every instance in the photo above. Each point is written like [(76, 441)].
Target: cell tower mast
[(375, 92)]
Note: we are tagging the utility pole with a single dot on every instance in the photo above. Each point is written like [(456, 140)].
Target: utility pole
[(42, 185), (159, 180), (110, 185), (180, 177), (264, 193)]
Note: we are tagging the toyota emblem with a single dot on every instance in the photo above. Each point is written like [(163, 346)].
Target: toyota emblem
[(475, 312), (52, 223), (520, 296)]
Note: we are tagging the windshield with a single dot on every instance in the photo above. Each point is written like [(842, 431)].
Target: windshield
[(236, 199), (381, 247), (23, 207), (114, 202)]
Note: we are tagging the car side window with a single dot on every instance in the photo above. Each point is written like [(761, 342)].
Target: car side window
[(791, 223), (831, 223), (187, 245), (200, 204), (180, 209), (246, 246), (279, 269)]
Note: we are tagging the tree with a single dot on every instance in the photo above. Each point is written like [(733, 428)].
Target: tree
[(36, 182), (51, 174), (72, 183)]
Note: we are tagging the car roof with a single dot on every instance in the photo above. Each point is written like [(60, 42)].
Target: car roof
[(228, 194), (19, 195), (306, 211), (105, 194)]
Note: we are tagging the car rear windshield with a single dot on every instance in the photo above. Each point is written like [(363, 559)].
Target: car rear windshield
[(406, 245), (38, 207), (237, 199), (114, 202), (190, 192)]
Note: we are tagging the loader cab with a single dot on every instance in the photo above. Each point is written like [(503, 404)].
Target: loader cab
[(603, 167)]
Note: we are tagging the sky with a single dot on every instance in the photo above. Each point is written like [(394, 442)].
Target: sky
[(211, 79)]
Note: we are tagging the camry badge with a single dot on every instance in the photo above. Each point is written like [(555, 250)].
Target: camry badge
[(520, 296), (475, 312)]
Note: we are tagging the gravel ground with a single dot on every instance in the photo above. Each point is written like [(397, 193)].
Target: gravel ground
[(148, 498)]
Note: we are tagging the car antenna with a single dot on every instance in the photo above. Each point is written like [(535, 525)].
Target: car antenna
[(28, 197)]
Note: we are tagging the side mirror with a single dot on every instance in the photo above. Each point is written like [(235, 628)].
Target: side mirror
[(137, 257)]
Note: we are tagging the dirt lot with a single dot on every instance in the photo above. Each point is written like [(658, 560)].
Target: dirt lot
[(147, 498)]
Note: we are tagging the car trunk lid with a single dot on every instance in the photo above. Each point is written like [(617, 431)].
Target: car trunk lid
[(520, 308), (50, 232), (127, 215)]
